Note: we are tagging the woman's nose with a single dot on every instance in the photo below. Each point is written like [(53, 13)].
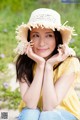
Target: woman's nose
[(42, 42)]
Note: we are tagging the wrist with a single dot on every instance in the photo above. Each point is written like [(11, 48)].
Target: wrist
[(48, 66), (41, 65)]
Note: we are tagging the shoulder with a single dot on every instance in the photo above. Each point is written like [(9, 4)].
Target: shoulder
[(72, 61), (71, 64)]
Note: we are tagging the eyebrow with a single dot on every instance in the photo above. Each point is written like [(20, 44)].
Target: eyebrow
[(48, 32), (35, 32), (45, 32)]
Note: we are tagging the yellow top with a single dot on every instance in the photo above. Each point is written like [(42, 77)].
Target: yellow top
[(71, 102)]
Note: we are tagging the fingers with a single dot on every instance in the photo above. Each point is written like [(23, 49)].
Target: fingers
[(68, 51), (31, 43), (29, 47), (63, 48), (64, 51), (60, 49), (30, 53), (60, 52)]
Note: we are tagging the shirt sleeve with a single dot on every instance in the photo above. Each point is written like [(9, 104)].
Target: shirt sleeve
[(72, 65)]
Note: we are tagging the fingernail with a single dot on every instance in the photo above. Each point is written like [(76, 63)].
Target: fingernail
[(59, 46)]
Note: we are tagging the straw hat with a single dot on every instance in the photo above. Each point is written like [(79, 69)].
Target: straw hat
[(45, 18)]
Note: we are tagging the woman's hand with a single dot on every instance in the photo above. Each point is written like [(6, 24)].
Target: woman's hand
[(39, 60), (63, 52)]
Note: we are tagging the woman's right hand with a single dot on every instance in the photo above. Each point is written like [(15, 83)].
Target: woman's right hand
[(39, 60)]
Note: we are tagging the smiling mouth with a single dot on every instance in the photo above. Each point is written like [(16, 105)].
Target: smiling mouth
[(42, 50)]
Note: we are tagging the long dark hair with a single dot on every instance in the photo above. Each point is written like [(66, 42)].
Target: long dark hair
[(24, 65)]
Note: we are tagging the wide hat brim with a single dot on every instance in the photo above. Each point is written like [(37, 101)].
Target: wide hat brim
[(66, 31)]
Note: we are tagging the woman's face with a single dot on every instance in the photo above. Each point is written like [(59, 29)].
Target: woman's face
[(44, 42)]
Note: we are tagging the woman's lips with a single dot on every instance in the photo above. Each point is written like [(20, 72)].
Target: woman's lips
[(42, 49)]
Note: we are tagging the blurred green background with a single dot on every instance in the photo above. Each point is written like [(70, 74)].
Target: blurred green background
[(12, 14)]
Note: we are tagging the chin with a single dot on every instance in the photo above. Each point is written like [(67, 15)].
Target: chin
[(44, 56)]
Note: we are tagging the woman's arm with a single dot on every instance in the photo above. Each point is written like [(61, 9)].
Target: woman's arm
[(30, 95), (53, 94)]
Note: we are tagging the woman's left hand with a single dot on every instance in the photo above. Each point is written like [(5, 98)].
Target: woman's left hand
[(63, 52)]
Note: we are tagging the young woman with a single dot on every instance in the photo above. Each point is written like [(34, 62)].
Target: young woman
[(47, 69)]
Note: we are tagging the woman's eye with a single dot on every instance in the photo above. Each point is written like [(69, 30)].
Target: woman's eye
[(35, 35), (49, 35)]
